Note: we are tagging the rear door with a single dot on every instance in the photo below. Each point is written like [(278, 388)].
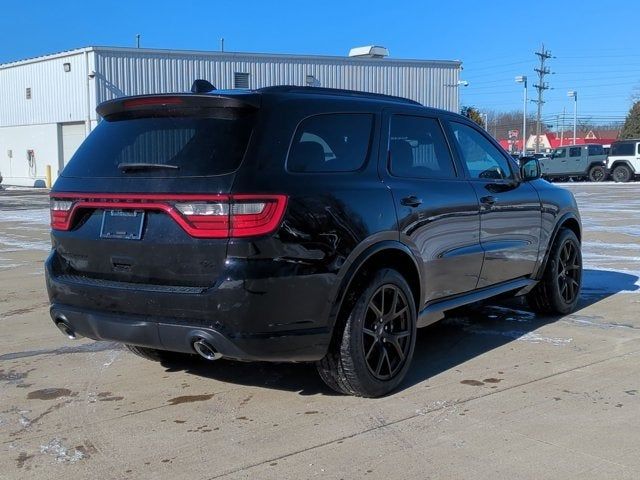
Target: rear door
[(577, 162), (510, 210), (146, 199), (437, 209)]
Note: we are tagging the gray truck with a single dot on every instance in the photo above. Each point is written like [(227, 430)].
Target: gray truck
[(576, 162)]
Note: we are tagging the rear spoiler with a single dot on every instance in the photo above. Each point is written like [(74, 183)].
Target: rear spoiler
[(245, 101)]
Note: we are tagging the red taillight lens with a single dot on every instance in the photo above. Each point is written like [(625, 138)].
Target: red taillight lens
[(61, 213), (239, 216), (253, 216), (201, 216)]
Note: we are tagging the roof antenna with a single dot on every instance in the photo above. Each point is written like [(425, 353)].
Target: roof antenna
[(202, 86), (222, 44), (138, 40)]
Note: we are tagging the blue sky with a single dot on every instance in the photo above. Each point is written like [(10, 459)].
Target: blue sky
[(596, 53)]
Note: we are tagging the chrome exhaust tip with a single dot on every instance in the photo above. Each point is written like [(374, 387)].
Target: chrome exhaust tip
[(65, 328), (205, 350)]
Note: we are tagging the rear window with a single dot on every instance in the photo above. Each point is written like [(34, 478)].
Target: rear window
[(336, 142), (622, 149), (167, 146)]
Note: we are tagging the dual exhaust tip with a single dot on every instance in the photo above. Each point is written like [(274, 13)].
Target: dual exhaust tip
[(205, 349), (200, 345), (63, 325)]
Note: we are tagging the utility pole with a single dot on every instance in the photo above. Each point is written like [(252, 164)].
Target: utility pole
[(562, 132), (541, 86)]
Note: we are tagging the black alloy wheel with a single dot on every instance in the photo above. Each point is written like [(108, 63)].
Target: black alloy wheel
[(568, 276), (386, 332)]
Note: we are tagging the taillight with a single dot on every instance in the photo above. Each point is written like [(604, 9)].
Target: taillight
[(60, 213), (240, 216), (201, 216)]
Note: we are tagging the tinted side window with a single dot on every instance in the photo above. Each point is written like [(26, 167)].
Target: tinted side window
[(639, 149), (482, 158), (560, 153), (574, 152), (336, 142), (418, 149), (622, 149), (596, 150)]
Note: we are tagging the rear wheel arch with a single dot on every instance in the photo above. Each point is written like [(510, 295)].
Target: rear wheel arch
[(568, 221), (626, 163), (386, 254)]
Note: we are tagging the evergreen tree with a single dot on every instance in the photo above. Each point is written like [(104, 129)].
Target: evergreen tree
[(631, 128), (473, 114)]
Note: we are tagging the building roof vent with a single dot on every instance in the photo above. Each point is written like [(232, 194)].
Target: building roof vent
[(370, 51)]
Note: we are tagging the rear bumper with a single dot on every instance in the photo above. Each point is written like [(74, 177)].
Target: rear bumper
[(269, 318), (169, 334)]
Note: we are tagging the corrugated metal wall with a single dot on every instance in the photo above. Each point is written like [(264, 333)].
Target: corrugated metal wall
[(56, 96), (131, 72), (59, 96)]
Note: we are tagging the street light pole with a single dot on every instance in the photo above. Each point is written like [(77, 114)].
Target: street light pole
[(573, 94), (523, 79)]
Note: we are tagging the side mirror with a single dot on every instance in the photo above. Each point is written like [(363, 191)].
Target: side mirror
[(529, 169)]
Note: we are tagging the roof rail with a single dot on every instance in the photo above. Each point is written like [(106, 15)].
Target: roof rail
[(334, 91)]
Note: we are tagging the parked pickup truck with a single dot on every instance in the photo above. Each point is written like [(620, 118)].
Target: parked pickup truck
[(576, 161)]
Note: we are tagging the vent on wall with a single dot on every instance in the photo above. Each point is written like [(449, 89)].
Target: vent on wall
[(240, 80), (28, 93)]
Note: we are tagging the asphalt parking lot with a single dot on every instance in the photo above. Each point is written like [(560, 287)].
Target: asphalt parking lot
[(500, 393)]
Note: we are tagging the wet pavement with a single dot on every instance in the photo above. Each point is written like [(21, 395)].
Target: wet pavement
[(496, 392)]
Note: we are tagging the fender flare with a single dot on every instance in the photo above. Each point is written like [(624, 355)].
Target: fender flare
[(561, 221), (354, 266), (626, 163), (596, 164)]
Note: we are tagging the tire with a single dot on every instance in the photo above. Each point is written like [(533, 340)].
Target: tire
[(370, 355), (156, 355), (558, 291), (597, 174), (622, 174)]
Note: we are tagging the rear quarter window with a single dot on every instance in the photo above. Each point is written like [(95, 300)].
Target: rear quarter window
[(332, 142), (622, 149)]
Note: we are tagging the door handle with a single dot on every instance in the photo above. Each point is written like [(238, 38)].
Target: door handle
[(488, 200), (411, 201)]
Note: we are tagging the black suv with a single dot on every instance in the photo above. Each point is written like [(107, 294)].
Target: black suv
[(298, 224)]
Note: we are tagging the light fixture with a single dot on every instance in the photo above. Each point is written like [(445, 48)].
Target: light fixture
[(66, 66)]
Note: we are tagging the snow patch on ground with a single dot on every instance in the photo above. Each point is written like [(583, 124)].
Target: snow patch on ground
[(38, 216), (61, 453)]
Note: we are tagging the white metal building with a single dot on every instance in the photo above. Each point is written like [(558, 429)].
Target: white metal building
[(47, 104)]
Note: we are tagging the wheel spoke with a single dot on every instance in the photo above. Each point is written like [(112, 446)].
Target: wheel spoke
[(394, 302), (395, 341), (376, 311), (370, 351), (386, 355), (369, 332), (400, 313), (563, 287), (380, 361)]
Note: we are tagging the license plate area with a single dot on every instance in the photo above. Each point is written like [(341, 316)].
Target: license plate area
[(122, 224)]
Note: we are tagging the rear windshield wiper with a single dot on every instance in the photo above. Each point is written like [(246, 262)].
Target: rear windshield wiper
[(146, 166)]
